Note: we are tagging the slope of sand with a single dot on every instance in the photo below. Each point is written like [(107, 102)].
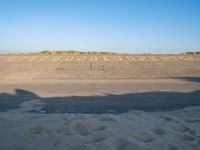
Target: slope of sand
[(137, 130)]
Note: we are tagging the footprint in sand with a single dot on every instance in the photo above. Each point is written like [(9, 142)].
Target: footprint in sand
[(108, 119), (179, 127), (77, 147), (20, 148), (157, 131), (183, 136), (118, 144), (189, 120), (183, 129), (74, 127), (56, 143), (64, 130), (166, 118), (33, 117), (170, 147), (92, 139), (121, 144), (144, 137), (79, 128), (96, 127), (138, 147), (194, 133), (39, 130)]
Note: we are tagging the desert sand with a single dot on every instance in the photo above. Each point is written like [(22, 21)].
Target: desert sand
[(35, 66), (134, 130), (58, 105)]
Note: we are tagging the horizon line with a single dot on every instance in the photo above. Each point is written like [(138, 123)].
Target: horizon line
[(91, 51)]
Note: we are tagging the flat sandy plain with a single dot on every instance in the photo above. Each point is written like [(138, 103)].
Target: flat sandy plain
[(98, 66), (114, 102)]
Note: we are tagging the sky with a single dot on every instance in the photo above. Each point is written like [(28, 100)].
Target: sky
[(125, 26)]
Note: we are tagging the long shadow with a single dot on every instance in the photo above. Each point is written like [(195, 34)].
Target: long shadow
[(191, 79), (116, 104)]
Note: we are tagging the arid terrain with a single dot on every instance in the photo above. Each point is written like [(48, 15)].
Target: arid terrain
[(98, 66), (87, 102)]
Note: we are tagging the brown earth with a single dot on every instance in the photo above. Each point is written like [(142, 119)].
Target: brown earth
[(32, 66)]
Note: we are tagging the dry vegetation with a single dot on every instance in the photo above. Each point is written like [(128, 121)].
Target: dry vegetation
[(70, 52), (193, 53), (77, 52)]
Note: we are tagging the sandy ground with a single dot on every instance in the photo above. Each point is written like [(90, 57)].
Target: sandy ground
[(134, 130), (43, 108), (98, 66), (78, 114)]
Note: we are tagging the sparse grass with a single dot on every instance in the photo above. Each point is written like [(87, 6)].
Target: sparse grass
[(193, 53), (147, 53), (75, 52)]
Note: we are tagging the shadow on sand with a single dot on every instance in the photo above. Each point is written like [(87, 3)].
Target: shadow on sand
[(115, 104), (190, 79)]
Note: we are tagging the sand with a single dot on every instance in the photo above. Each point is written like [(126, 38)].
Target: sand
[(137, 102), (126, 115), (134, 130), (32, 66)]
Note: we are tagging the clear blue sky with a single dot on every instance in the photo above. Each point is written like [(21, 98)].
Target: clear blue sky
[(158, 26)]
